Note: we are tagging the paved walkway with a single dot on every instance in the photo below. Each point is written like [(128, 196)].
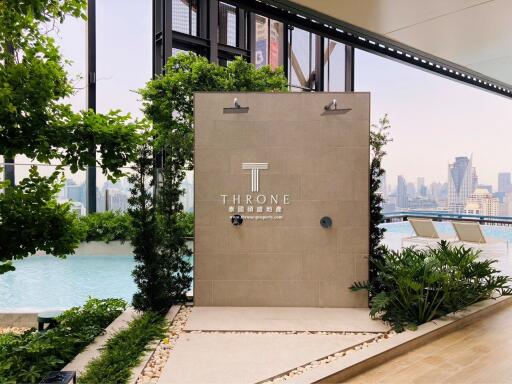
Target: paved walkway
[(252, 345), (479, 353), (283, 319)]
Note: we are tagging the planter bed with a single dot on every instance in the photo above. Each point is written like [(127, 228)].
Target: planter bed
[(28, 357)]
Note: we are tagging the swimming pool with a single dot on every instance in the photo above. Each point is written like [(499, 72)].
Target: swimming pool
[(47, 282), (395, 232), (404, 229)]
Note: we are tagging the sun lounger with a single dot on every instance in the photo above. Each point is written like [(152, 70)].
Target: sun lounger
[(471, 233), (424, 233)]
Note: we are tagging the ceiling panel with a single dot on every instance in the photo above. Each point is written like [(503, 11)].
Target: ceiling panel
[(473, 33)]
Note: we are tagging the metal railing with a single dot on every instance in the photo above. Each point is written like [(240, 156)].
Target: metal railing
[(446, 216)]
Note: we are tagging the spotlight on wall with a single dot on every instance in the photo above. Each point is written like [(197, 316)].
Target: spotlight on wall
[(331, 105), (326, 222), (332, 108), (237, 220), (237, 108)]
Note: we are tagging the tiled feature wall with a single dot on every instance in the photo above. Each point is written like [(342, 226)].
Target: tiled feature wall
[(320, 161)]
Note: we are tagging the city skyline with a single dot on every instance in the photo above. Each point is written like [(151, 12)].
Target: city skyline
[(460, 192), (495, 182)]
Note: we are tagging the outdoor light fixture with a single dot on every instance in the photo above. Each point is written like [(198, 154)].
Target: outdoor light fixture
[(237, 220), (332, 108), (237, 108), (60, 377), (326, 222)]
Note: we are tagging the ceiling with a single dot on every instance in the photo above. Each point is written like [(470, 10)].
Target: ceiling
[(473, 33)]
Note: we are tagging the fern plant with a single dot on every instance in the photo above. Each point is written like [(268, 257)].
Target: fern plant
[(419, 285)]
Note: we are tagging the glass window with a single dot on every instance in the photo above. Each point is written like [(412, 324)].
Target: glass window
[(269, 46), (123, 67), (261, 56), (71, 37), (334, 66), (302, 48), (227, 24), (184, 16)]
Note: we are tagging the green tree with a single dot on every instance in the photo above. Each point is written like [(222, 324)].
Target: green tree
[(169, 104), (148, 273), (35, 122), (32, 220), (379, 138)]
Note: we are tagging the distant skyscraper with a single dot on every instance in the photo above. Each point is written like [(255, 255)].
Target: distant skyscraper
[(116, 200), (461, 177), (421, 189), (401, 193), (507, 204), (411, 190), (504, 183), (383, 187), (474, 180)]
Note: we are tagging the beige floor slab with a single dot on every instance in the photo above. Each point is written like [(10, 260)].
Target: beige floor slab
[(477, 353), (283, 319), (247, 358)]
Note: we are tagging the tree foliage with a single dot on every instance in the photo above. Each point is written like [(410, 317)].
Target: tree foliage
[(31, 220), (163, 270), (147, 273), (36, 122), (379, 138), (168, 100)]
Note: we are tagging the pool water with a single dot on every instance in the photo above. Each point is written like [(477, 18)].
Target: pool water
[(47, 282), (404, 228)]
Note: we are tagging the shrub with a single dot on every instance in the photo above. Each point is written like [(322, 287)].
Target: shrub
[(419, 285), (28, 357), (107, 226), (123, 351), (149, 272), (379, 138)]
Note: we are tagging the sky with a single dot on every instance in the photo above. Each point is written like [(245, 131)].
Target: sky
[(433, 119)]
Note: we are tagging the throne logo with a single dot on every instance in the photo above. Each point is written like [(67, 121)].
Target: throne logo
[(255, 174)]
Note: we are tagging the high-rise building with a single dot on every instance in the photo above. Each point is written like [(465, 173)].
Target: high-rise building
[(383, 189), (484, 186), (116, 199), (421, 188), (504, 184), (411, 190), (74, 192), (481, 202), (474, 180), (401, 193), (461, 178), (507, 204)]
